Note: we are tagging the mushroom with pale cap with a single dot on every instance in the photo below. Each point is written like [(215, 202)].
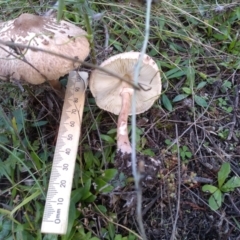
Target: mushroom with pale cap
[(115, 96), (36, 67)]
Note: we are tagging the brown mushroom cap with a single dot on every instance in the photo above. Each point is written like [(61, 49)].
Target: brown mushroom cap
[(45, 33), (107, 89)]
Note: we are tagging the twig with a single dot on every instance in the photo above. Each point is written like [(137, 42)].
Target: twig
[(136, 174), (12, 44), (234, 113), (149, 205), (234, 205), (179, 186), (117, 224)]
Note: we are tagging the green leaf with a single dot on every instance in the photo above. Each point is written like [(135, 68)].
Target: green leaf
[(223, 173), (180, 97), (201, 85), (86, 189), (200, 101), (118, 237), (202, 75), (111, 230), (184, 148), (25, 201), (102, 186), (191, 76), (168, 142), (187, 90), (109, 174), (231, 184), (166, 102), (101, 208), (182, 154), (188, 154), (107, 138), (111, 131), (215, 201), (175, 73), (39, 123), (209, 188)]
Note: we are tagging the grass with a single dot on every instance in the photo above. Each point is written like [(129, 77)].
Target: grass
[(192, 129)]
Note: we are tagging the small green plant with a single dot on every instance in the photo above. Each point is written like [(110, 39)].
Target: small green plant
[(222, 103), (185, 152), (223, 133), (191, 90), (217, 193)]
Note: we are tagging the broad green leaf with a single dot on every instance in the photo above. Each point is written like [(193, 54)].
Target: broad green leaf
[(188, 154), (111, 131), (107, 138), (215, 201), (180, 97), (202, 75), (86, 189), (175, 73), (101, 208), (111, 230), (223, 174), (200, 101), (209, 188), (102, 186), (168, 142), (148, 152), (191, 76), (118, 237), (166, 102), (201, 85), (109, 174), (231, 184), (187, 90), (184, 148)]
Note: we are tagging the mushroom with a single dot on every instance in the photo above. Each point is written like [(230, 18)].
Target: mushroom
[(115, 96), (36, 67)]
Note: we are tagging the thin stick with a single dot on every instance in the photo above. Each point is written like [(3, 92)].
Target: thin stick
[(179, 186), (12, 44), (234, 113), (136, 174)]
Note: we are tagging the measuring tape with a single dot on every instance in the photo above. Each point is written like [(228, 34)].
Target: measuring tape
[(55, 217)]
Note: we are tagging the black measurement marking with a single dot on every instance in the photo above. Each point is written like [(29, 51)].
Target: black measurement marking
[(60, 201), (67, 151), (75, 100), (70, 137), (65, 167), (58, 220), (72, 123), (77, 89), (74, 111), (63, 183)]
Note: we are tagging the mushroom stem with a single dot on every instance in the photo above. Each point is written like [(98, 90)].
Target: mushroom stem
[(123, 143)]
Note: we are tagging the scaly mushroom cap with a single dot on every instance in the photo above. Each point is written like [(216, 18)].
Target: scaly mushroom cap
[(44, 33), (107, 89)]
